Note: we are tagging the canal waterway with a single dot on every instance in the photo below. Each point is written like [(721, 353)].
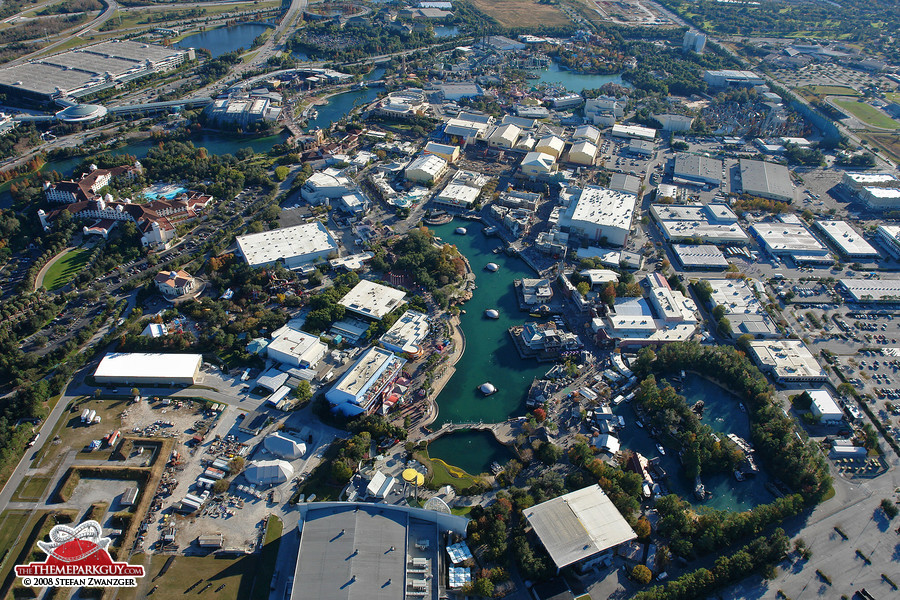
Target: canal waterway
[(722, 413), (340, 105), (572, 81), (222, 40), (490, 354), (471, 450)]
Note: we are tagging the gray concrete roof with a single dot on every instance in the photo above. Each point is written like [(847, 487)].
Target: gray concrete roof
[(578, 525), (355, 564)]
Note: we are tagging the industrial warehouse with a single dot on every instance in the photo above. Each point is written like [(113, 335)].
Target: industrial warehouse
[(77, 73)]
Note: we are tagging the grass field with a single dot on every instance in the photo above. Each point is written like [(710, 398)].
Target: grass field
[(268, 559), (442, 474), (236, 574), (888, 142), (522, 13), (892, 96), (65, 268), (31, 489), (75, 435), (830, 90), (867, 113)]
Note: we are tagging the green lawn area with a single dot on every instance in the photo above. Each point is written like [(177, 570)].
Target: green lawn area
[(442, 474), (831, 90), (235, 573), (892, 96), (867, 113), (31, 488), (65, 268), (15, 527), (268, 558)]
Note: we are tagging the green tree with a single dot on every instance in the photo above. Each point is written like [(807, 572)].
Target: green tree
[(303, 392), (221, 486), (641, 574), (583, 288)]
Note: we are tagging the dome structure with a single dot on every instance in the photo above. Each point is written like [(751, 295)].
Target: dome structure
[(487, 388), (81, 113)]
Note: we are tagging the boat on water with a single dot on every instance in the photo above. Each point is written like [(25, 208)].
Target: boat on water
[(313, 114), (639, 424), (496, 468), (492, 313), (492, 266), (661, 449), (461, 230), (487, 388), (742, 407), (700, 492)]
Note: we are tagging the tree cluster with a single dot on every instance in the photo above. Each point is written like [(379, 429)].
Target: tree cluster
[(785, 450)]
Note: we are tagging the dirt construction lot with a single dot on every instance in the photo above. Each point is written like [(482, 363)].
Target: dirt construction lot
[(522, 13)]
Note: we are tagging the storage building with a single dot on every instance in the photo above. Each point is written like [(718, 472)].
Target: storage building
[(144, 368)]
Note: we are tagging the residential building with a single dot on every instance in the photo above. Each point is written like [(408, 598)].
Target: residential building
[(88, 187), (174, 283)]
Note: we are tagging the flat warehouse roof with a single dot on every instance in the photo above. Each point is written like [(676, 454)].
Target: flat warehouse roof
[(788, 238), (766, 179), (289, 242), (847, 239), (372, 299), (145, 365), (578, 525), (875, 290), (704, 255)]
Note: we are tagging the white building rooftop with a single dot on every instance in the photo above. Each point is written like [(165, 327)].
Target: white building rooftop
[(293, 245), (407, 333), (788, 238), (147, 365), (847, 240), (578, 525), (873, 290), (788, 360), (603, 207), (372, 299)]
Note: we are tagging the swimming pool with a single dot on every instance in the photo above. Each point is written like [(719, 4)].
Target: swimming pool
[(165, 191)]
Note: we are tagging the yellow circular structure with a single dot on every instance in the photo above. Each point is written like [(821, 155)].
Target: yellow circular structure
[(412, 476)]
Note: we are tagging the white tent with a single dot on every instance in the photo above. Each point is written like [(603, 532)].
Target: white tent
[(269, 472), (284, 446)]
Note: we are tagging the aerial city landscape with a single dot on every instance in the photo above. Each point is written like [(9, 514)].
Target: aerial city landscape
[(402, 299)]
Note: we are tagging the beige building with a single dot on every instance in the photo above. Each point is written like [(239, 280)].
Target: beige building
[(175, 283)]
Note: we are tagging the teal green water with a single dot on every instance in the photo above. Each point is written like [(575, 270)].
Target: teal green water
[(572, 81), (224, 39), (471, 450), (722, 413), (490, 354)]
